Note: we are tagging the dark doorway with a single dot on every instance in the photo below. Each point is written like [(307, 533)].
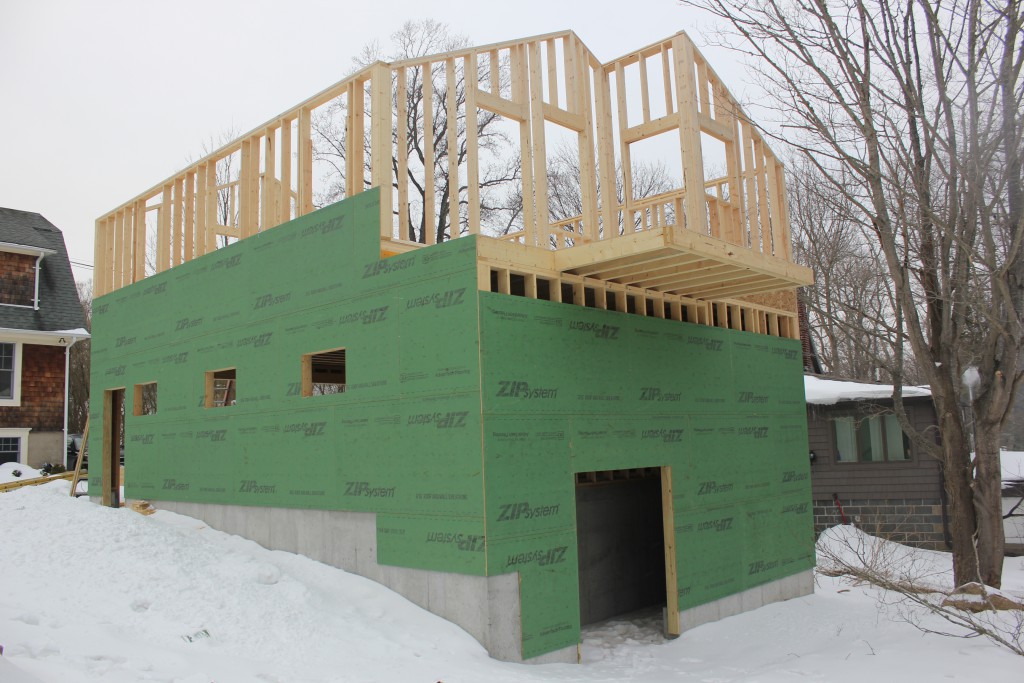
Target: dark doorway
[(113, 447), (621, 542)]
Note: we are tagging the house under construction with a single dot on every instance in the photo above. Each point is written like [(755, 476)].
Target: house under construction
[(523, 427)]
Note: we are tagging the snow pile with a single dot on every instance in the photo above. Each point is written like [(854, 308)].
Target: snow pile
[(8, 469), (843, 547), (98, 594), (831, 391)]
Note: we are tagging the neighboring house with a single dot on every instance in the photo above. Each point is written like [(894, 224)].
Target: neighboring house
[(40, 319), (522, 433), (1013, 495), (865, 468)]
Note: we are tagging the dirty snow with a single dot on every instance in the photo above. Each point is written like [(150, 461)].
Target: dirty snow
[(97, 594)]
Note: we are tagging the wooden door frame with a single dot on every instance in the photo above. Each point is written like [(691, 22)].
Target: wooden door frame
[(668, 524)]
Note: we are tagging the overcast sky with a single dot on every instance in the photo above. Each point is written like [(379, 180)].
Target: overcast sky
[(102, 99)]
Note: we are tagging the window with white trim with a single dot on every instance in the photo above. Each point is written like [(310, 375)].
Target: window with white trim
[(13, 443), (878, 438), (10, 374)]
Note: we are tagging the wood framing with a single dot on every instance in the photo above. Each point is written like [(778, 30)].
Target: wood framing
[(708, 240)]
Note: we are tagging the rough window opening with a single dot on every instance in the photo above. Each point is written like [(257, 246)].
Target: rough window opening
[(517, 284), (221, 388), (145, 399), (567, 293), (544, 289), (324, 373)]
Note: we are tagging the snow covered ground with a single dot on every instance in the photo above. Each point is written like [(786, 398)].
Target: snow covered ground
[(96, 594)]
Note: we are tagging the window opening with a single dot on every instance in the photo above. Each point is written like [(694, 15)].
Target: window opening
[(221, 388), (324, 373), (145, 399)]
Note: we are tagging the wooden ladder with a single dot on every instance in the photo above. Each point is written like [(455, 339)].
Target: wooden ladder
[(81, 459), (222, 391)]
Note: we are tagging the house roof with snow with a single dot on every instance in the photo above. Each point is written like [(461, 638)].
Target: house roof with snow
[(820, 391), (59, 308)]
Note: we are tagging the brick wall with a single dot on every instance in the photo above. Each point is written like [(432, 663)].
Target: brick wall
[(911, 521), (17, 278), (42, 391)]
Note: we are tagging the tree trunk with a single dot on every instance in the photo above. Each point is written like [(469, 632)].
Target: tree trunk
[(987, 490), (956, 466)]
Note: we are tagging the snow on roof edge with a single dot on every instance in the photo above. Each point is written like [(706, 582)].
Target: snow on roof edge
[(820, 391)]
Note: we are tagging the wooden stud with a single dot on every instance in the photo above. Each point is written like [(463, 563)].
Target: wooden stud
[(471, 82), (140, 233), (552, 59), (627, 164), (268, 191), (666, 78), (585, 143), (429, 191), (494, 67), (176, 210), (538, 147), (672, 624), (689, 136), (780, 223), (748, 207), (190, 215), (284, 194), (211, 207), (305, 164), (402, 173), (606, 156), (454, 218), (764, 220), (521, 93), (163, 244), (645, 95), (381, 145)]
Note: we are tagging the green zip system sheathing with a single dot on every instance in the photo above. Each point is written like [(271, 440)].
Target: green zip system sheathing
[(465, 415)]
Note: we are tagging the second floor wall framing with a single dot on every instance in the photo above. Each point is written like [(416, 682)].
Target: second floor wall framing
[(430, 132)]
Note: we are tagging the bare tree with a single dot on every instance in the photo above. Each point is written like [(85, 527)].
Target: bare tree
[(913, 109), (851, 312), (78, 368), (500, 181)]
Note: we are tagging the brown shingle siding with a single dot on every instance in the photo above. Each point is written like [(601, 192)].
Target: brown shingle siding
[(17, 278), (42, 391)]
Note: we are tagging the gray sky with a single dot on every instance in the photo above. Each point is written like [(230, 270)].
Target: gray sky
[(102, 99)]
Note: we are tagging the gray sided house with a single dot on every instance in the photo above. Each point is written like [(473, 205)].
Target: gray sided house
[(40, 319), (865, 471)]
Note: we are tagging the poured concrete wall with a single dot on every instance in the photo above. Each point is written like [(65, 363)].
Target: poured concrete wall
[(486, 607)]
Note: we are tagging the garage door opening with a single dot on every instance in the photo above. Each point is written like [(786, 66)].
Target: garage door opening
[(622, 543)]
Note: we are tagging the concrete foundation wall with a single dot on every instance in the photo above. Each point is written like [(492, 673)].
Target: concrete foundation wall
[(45, 447), (486, 607), (794, 586)]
